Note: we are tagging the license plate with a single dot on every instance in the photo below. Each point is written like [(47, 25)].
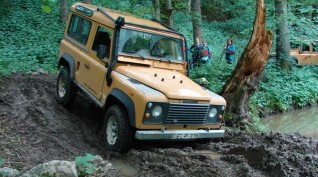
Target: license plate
[(185, 136)]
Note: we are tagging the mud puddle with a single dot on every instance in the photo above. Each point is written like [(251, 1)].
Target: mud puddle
[(124, 168), (303, 121)]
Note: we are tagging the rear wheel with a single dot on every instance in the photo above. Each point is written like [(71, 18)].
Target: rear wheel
[(118, 135), (295, 62), (65, 88)]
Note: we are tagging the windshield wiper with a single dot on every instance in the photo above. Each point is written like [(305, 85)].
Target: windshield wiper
[(134, 53), (142, 57), (167, 60)]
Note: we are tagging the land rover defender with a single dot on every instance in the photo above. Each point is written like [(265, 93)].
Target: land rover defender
[(306, 53), (137, 71)]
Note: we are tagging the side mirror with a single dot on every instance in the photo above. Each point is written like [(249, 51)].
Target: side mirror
[(101, 51), (120, 21)]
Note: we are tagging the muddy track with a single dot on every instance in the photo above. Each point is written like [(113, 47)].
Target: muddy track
[(35, 129)]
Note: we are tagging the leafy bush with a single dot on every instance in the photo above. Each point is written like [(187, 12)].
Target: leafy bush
[(83, 164), (29, 37), (1, 161), (280, 91)]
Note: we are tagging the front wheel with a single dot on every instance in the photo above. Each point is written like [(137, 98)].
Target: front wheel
[(118, 135), (65, 88)]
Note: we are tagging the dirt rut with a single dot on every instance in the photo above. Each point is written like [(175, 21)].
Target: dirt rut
[(35, 129)]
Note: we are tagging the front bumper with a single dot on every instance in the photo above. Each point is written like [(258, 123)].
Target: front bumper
[(177, 134)]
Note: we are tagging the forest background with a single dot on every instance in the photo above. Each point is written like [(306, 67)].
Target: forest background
[(30, 32)]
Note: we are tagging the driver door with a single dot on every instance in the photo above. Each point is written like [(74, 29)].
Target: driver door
[(100, 54)]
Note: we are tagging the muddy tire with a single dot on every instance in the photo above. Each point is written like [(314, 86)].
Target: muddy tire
[(118, 135), (65, 88)]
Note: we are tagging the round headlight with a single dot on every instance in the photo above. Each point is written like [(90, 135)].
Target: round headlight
[(213, 112), (156, 111)]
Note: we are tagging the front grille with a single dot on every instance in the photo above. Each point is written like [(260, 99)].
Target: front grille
[(187, 113)]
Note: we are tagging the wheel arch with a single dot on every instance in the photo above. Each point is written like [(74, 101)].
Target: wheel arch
[(295, 60), (119, 97), (67, 60)]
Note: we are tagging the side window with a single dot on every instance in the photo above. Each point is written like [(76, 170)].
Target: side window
[(79, 29), (305, 48), (102, 42), (315, 47)]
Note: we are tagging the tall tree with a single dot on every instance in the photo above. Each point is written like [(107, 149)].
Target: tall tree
[(282, 34), (167, 13), (196, 19), (170, 13), (156, 5), (189, 5), (245, 78), (64, 9)]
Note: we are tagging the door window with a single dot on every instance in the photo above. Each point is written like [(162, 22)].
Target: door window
[(102, 42)]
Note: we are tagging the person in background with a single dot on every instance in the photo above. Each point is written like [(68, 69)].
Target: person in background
[(195, 50), (229, 49), (205, 54)]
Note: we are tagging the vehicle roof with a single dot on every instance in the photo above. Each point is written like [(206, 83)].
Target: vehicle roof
[(113, 14)]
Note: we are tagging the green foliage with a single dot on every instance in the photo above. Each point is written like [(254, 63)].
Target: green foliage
[(47, 174), (137, 7), (216, 74), (1, 161), (47, 5), (281, 91), (29, 37), (256, 126), (46, 9), (3, 173), (83, 164)]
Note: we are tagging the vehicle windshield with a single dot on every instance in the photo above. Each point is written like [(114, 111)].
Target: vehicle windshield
[(147, 45)]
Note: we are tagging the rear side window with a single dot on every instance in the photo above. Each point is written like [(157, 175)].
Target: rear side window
[(79, 29), (315, 47)]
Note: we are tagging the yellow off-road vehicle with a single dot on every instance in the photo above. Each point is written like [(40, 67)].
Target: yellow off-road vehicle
[(136, 70), (306, 54)]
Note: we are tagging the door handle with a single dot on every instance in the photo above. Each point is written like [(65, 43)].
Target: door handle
[(87, 66)]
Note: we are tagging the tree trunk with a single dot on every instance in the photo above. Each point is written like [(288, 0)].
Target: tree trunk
[(282, 35), (87, 1), (156, 5), (196, 19), (245, 78), (169, 13), (64, 9)]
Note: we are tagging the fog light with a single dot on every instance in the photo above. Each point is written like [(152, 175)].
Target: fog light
[(220, 117)]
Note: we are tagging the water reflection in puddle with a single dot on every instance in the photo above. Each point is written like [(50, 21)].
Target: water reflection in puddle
[(125, 169), (303, 121)]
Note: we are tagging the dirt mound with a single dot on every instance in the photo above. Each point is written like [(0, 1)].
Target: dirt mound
[(35, 129)]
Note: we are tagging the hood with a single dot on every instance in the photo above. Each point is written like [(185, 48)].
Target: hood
[(171, 83)]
